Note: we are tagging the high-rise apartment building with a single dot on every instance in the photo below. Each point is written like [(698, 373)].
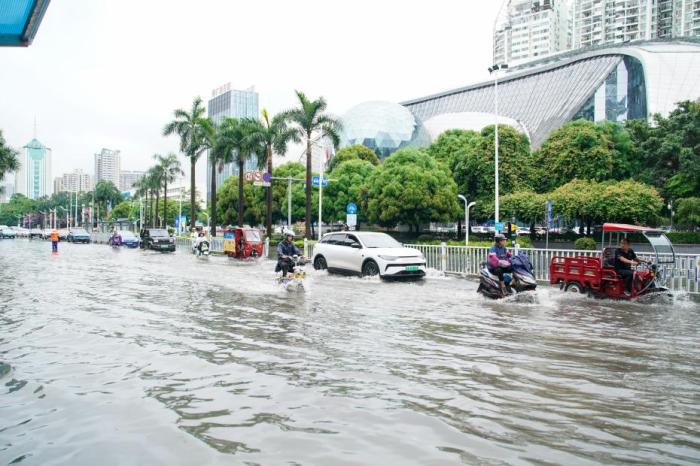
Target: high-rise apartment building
[(598, 22), (227, 102), (58, 184), (75, 182), (108, 166), (530, 29), (33, 178), (128, 178)]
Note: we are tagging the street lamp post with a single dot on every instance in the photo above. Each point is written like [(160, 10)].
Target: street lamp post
[(467, 206), (494, 71)]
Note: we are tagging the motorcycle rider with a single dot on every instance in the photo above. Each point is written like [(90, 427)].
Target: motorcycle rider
[(625, 258), (201, 238), (285, 250), (498, 259), (116, 238)]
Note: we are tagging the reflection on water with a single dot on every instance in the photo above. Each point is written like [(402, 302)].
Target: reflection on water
[(127, 357)]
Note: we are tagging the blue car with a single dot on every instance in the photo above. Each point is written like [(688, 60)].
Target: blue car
[(128, 239)]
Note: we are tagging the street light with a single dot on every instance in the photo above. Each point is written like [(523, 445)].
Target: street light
[(493, 70), (467, 206)]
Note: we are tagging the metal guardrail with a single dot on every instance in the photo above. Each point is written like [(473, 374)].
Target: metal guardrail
[(684, 275)]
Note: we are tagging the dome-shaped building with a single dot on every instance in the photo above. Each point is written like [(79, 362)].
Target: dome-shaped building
[(383, 127)]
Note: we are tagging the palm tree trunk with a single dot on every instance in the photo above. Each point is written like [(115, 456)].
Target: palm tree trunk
[(269, 193), (157, 203), (212, 213), (307, 233), (165, 202), (240, 190), (192, 175)]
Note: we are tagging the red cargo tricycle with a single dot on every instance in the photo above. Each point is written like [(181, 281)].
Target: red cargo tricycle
[(597, 276), (243, 242)]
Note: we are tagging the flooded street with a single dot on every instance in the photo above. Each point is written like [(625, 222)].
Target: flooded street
[(115, 357)]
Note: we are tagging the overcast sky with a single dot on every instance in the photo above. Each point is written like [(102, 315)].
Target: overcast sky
[(108, 73)]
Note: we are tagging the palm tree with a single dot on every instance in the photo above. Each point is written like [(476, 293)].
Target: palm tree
[(155, 177), (193, 129), (170, 168), (220, 153), (8, 158), (308, 120), (235, 141), (274, 135)]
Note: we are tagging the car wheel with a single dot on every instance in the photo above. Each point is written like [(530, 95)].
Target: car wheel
[(370, 269), (320, 263), (574, 287)]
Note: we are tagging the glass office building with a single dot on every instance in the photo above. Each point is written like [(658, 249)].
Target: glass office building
[(227, 102), (608, 83)]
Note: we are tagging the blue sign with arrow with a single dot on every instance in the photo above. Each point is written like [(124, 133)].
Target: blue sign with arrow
[(316, 179), (351, 208)]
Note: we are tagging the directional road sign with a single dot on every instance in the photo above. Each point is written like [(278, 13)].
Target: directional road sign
[(351, 208)]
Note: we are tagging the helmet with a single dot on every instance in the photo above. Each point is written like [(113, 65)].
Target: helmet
[(499, 237), (288, 233)]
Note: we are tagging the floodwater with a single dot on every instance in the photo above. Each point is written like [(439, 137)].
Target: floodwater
[(125, 357)]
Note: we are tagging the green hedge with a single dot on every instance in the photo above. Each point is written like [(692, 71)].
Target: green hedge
[(684, 237), (585, 244)]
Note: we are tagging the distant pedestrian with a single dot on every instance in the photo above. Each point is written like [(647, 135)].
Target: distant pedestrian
[(54, 240)]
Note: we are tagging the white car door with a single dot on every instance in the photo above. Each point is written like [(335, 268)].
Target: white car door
[(353, 254), (332, 250)]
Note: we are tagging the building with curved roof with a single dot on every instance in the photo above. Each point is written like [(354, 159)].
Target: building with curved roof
[(614, 83)]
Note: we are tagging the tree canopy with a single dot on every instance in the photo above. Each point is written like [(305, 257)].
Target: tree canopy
[(353, 152), (411, 188)]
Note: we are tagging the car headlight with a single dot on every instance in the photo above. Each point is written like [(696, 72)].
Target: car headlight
[(388, 258)]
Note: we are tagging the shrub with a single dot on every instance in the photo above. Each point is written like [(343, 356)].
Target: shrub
[(684, 237), (585, 244), (425, 238)]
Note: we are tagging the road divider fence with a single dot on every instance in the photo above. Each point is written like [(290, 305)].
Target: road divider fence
[(467, 260)]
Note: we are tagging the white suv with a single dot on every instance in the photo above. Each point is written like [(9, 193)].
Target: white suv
[(367, 254)]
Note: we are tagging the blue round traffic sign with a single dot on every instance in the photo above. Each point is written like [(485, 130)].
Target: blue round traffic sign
[(351, 208), (266, 177)]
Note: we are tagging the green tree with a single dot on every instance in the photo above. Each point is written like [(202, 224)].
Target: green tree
[(107, 194), (275, 135), (688, 212), (169, 168), (669, 150), (12, 212), (454, 145), (350, 185), (353, 152), (474, 168), (526, 206), (124, 209), (411, 188), (577, 150), (309, 120), (194, 130), (8, 158)]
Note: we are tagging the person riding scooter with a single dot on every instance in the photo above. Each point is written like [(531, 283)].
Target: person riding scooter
[(116, 238), (201, 238), (498, 259), (285, 250)]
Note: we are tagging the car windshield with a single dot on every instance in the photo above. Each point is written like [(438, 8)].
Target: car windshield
[(79, 231), (126, 234), (158, 233), (379, 240), (252, 235)]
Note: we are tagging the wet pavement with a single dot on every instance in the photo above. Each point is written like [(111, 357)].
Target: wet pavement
[(118, 357)]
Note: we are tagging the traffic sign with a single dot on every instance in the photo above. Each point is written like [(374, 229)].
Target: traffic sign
[(267, 177), (498, 226), (315, 181), (261, 183), (351, 208), (351, 220)]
